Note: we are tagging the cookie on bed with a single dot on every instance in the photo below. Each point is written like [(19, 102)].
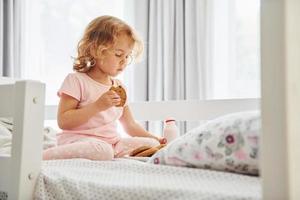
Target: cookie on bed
[(139, 150), (121, 92), (146, 151)]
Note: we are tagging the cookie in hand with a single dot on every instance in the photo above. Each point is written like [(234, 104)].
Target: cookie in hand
[(121, 92)]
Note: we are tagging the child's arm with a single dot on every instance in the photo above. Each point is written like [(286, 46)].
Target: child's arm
[(70, 116), (135, 129)]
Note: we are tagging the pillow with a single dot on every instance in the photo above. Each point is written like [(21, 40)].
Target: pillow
[(227, 143), (5, 139)]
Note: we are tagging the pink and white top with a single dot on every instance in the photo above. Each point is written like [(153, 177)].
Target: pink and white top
[(103, 125)]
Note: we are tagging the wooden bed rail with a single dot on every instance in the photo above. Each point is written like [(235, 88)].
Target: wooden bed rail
[(191, 110), (202, 110), (24, 101)]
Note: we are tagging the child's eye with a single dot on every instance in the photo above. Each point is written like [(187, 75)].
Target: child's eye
[(118, 55)]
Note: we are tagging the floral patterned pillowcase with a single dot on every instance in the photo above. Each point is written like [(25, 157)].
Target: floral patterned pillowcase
[(228, 143)]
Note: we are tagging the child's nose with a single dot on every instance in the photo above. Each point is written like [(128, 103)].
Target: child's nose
[(123, 61)]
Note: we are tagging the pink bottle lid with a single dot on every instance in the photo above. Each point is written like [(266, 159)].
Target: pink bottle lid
[(169, 120)]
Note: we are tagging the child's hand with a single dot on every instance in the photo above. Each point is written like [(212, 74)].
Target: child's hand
[(162, 140), (107, 100)]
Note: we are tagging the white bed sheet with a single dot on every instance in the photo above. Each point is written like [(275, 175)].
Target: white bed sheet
[(131, 179)]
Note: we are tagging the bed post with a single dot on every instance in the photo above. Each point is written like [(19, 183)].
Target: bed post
[(27, 138), (280, 160)]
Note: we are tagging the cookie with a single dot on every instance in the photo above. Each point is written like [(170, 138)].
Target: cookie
[(145, 151), (148, 152), (121, 92), (139, 150)]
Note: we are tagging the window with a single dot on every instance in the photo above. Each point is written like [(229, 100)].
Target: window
[(53, 28), (236, 49)]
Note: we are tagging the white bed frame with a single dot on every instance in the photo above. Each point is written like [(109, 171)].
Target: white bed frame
[(181, 110), (280, 63), (24, 101), (280, 107)]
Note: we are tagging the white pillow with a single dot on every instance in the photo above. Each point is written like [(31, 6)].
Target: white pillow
[(228, 143)]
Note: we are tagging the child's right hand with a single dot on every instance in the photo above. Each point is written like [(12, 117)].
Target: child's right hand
[(162, 140), (107, 100)]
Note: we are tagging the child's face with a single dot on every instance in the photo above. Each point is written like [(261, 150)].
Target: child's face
[(118, 57)]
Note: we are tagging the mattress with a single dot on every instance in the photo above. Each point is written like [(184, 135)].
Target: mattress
[(131, 179)]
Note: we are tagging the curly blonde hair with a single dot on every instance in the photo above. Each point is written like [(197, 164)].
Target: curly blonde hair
[(101, 33)]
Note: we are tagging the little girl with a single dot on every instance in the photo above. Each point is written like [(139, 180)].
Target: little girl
[(88, 111)]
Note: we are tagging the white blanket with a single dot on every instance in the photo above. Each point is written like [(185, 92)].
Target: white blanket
[(130, 179), (6, 136), (5, 140)]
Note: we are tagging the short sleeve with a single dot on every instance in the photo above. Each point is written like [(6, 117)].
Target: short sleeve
[(71, 86)]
